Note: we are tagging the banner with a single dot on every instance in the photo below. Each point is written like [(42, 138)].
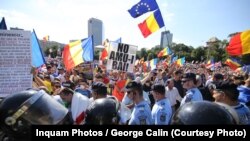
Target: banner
[(121, 57), (15, 61), (132, 132)]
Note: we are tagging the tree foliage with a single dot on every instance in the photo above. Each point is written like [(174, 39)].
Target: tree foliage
[(214, 50), (51, 50)]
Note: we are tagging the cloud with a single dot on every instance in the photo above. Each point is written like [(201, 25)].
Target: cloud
[(169, 17)]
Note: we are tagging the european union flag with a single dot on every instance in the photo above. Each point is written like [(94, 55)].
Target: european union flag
[(142, 7)]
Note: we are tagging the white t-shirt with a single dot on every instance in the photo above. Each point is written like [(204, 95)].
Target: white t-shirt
[(173, 95)]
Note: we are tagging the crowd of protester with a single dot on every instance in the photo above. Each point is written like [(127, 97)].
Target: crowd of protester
[(89, 94), (151, 96)]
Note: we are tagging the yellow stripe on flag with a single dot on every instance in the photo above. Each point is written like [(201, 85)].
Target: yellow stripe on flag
[(152, 23), (76, 52), (245, 42)]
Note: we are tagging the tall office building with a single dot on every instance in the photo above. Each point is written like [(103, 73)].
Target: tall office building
[(166, 39), (95, 28)]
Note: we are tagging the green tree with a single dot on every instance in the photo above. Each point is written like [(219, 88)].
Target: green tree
[(51, 50), (96, 54), (198, 54), (143, 53), (150, 56), (138, 54)]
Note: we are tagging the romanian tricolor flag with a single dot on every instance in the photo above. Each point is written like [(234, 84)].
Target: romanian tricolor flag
[(78, 52), (173, 59), (37, 57), (104, 54), (181, 61), (46, 38), (232, 63), (152, 63), (210, 63), (164, 52), (153, 23), (239, 44), (244, 69)]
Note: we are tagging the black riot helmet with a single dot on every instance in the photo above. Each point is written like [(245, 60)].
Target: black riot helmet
[(31, 107), (103, 111), (201, 113)]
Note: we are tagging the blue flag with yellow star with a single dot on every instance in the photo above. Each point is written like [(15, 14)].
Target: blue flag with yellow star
[(142, 7)]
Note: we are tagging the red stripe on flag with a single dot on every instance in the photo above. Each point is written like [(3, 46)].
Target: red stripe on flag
[(104, 54), (67, 58), (144, 29), (160, 54), (235, 45), (231, 65), (80, 118)]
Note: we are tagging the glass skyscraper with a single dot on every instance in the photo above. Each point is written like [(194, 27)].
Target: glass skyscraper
[(95, 28), (166, 39)]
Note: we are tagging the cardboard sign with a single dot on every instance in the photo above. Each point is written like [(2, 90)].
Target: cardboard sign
[(121, 57)]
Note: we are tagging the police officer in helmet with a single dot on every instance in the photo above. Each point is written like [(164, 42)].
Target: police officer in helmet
[(202, 113), (30, 107), (103, 111)]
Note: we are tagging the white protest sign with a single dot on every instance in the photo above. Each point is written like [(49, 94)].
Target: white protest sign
[(121, 57), (15, 61)]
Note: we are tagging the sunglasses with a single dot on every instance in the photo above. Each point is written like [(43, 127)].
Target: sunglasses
[(218, 91), (129, 92), (64, 94), (57, 86)]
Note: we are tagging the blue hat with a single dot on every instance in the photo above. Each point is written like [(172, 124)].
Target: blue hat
[(189, 76), (159, 88), (99, 87), (133, 85)]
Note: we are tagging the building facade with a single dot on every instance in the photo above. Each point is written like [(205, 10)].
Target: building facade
[(95, 28), (166, 39)]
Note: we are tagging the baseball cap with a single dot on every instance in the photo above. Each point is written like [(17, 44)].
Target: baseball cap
[(191, 76), (226, 85), (70, 85), (133, 85), (159, 88), (60, 68), (99, 87)]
